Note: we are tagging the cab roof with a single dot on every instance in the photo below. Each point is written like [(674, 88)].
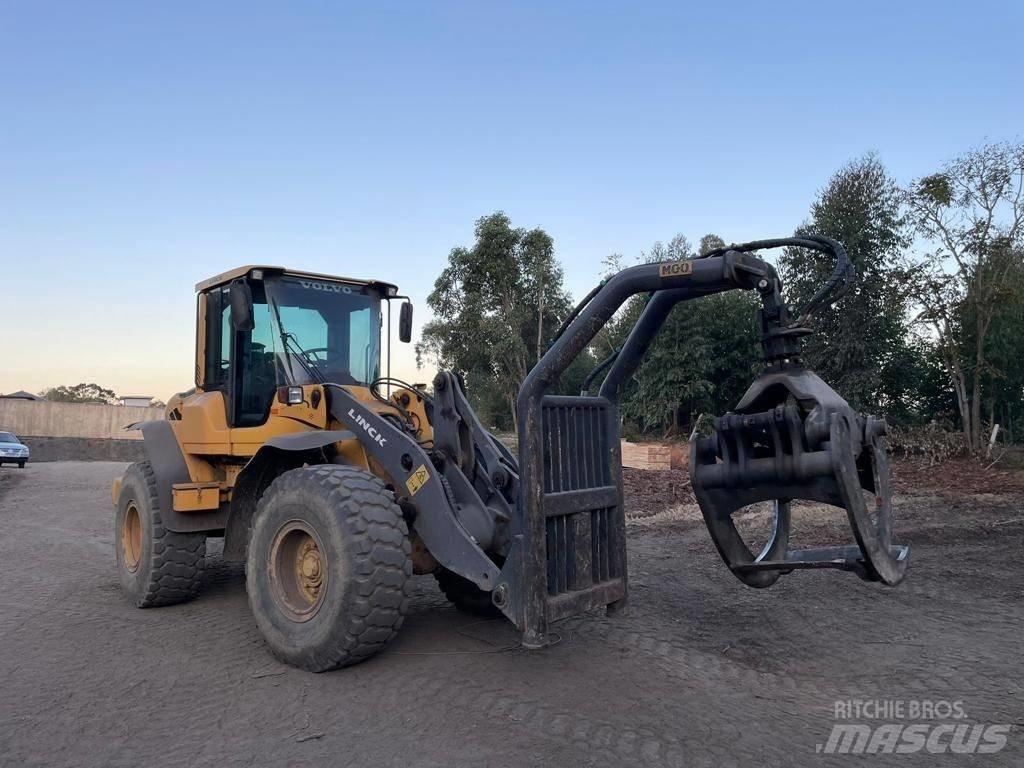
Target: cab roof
[(388, 289)]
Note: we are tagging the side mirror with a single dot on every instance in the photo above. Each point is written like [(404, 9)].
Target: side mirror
[(240, 295), (405, 322)]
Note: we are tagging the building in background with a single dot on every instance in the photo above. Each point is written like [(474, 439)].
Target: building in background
[(22, 395), (136, 401)]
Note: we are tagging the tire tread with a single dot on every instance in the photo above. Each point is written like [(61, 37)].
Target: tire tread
[(177, 558), (378, 541)]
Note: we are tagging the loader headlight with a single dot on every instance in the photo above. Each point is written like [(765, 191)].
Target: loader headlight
[(290, 395)]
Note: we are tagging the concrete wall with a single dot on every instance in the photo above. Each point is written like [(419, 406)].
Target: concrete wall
[(84, 449), (76, 431), (41, 418)]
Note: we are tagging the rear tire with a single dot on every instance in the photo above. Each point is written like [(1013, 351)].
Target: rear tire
[(328, 565), (155, 566)]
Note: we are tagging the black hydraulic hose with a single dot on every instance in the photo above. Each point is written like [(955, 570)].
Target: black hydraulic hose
[(838, 283), (396, 382), (573, 315), (833, 289), (600, 368)]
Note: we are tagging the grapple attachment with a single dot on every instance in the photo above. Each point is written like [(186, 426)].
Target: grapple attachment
[(793, 437)]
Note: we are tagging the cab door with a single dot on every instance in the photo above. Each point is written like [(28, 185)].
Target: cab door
[(240, 363)]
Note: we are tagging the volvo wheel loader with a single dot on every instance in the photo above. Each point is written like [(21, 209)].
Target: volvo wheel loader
[(335, 484)]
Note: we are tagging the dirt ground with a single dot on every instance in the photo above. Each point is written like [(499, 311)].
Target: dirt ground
[(700, 671)]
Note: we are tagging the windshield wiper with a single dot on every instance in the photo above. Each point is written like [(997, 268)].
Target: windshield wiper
[(302, 357), (289, 340)]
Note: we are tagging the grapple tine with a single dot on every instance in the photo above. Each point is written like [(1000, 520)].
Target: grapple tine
[(793, 437)]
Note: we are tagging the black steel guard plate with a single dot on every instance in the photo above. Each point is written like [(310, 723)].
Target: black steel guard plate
[(582, 505)]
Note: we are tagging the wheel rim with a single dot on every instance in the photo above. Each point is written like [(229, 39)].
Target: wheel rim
[(298, 571), (131, 537)]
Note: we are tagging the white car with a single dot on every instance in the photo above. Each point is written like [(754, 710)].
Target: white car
[(12, 451)]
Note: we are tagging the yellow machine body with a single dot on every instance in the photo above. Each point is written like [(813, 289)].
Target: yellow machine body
[(215, 452)]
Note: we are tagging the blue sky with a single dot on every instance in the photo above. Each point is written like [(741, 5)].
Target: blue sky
[(144, 146)]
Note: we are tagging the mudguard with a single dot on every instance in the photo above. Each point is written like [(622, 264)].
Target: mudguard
[(168, 462), (290, 451)]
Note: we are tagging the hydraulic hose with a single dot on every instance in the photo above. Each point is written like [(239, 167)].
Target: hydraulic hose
[(599, 369), (576, 311), (833, 289)]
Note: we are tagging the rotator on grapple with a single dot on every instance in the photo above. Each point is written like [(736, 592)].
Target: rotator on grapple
[(335, 492)]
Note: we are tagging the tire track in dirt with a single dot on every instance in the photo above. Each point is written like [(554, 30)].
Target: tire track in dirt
[(87, 680)]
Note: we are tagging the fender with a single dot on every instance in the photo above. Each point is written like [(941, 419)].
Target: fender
[(417, 483), (168, 462), (277, 455)]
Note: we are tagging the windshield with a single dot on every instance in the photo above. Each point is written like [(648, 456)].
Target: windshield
[(321, 330), (7, 437)]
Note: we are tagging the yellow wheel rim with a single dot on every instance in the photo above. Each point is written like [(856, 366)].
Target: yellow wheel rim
[(131, 537), (298, 571)]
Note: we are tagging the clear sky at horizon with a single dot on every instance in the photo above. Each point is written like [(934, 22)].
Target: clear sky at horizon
[(145, 146)]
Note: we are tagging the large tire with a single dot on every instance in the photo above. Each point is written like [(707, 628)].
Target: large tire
[(465, 595), (328, 565), (155, 566)]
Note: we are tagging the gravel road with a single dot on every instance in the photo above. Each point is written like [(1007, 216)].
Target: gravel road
[(700, 671)]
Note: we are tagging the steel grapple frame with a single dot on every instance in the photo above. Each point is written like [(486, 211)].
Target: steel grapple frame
[(791, 437)]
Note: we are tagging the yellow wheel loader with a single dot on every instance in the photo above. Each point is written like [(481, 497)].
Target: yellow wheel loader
[(335, 484)]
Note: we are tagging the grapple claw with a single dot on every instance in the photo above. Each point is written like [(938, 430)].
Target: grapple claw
[(793, 437)]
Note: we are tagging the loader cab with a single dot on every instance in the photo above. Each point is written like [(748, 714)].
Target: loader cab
[(261, 328)]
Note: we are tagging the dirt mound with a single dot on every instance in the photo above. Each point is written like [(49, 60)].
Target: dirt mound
[(961, 476), (648, 492)]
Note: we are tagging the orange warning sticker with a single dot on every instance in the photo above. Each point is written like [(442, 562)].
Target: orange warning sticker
[(417, 479)]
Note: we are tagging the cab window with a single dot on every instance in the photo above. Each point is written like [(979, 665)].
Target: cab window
[(249, 386)]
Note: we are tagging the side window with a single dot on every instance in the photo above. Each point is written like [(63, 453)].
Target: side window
[(240, 364), (223, 350), (218, 340), (360, 347), (256, 372)]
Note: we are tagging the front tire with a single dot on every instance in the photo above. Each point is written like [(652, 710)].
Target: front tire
[(327, 567), (155, 566), (21, 465)]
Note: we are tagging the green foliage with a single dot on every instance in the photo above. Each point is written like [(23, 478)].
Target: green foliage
[(702, 360), (496, 306), (925, 341), (710, 243), (935, 188), (860, 346), (927, 397), (80, 393), (1002, 378), (971, 216)]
